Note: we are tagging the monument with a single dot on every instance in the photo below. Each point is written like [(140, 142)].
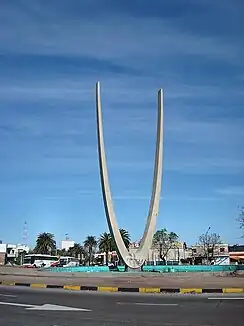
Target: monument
[(136, 260)]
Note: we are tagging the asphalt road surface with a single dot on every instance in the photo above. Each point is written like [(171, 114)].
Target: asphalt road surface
[(28, 307)]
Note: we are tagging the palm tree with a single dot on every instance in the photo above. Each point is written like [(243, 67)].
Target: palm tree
[(105, 244), (77, 250), (126, 237), (45, 243), (90, 244)]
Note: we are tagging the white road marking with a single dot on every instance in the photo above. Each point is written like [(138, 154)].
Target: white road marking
[(43, 307), (155, 304), (147, 304), (226, 298), (16, 304), (8, 295), (56, 308)]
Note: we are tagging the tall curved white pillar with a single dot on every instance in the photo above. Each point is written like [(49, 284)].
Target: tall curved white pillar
[(136, 259)]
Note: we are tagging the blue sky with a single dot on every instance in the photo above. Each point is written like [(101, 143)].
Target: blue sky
[(51, 55)]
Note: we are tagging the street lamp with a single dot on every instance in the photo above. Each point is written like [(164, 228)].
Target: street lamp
[(206, 240), (208, 230)]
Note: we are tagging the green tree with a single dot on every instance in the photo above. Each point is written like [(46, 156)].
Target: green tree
[(105, 244), (76, 251), (90, 244), (126, 237), (127, 240), (164, 241), (45, 243)]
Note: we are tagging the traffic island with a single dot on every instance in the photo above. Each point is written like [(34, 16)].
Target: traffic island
[(124, 289), (124, 282)]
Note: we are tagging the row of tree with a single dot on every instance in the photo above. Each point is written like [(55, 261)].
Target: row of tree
[(46, 244), (162, 240)]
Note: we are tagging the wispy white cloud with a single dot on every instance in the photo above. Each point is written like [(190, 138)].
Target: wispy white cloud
[(51, 55), (202, 165), (67, 92), (38, 30), (231, 191), (216, 132), (115, 88), (167, 198)]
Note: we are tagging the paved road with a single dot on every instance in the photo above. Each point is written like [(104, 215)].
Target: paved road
[(28, 307)]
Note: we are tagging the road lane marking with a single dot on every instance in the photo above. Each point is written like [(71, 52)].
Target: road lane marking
[(56, 308), (43, 307), (147, 304), (226, 298), (155, 304), (8, 295), (16, 304)]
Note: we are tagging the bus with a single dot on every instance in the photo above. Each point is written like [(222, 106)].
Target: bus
[(39, 260)]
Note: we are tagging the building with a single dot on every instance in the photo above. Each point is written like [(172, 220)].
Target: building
[(66, 244), (112, 258), (172, 256), (223, 254), (3, 251), (180, 254), (9, 253), (236, 253), (219, 255)]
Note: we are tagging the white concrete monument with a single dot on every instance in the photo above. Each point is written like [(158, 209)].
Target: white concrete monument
[(136, 259)]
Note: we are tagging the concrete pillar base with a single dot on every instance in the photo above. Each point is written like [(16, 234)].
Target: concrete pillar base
[(133, 270)]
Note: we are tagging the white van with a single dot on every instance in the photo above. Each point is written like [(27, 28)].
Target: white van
[(68, 261)]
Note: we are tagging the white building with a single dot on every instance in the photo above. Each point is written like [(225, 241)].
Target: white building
[(10, 252), (66, 244), (179, 254), (3, 251), (217, 255)]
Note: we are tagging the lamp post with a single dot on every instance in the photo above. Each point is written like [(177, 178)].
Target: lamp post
[(206, 234)]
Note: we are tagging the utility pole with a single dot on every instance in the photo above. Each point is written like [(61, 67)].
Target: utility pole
[(206, 238)]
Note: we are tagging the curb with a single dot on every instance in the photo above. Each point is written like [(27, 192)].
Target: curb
[(125, 289)]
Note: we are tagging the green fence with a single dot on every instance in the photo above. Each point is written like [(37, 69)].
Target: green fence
[(190, 268), (78, 269), (153, 268)]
